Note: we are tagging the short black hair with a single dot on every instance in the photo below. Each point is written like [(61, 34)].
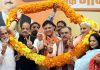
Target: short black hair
[(69, 28), (35, 23), (23, 23), (48, 22), (97, 37), (61, 21)]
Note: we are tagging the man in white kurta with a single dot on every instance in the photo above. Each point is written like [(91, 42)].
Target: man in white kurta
[(7, 60)]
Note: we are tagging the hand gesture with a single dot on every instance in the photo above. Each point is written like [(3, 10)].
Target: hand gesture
[(96, 30), (55, 6), (49, 55), (29, 44), (4, 47), (97, 59), (17, 57), (70, 43), (34, 50), (50, 49), (74, 58), (19, 14)]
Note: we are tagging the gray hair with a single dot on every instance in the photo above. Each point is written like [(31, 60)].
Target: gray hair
[(3, 27), (86, 23)]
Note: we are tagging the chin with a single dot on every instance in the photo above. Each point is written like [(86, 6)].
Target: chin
[(65, 40)]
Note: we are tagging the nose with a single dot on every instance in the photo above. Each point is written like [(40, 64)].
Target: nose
[(47, 29)]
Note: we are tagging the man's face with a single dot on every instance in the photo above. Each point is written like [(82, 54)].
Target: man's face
[(34, 29), (4, 35), (65, 34), (25, 29), (48, 29), (8, 4), (59, 26)]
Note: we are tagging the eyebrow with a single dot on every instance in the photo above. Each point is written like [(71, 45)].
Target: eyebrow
[(9, 2)]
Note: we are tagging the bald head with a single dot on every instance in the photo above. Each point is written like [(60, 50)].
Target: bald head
[(8, 4)]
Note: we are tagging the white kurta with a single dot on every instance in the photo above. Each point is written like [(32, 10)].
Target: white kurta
[(8, 60), (38, 44), (83, 62)]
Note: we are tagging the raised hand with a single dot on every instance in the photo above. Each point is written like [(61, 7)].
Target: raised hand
[(4, 47), (50, 49), (29, 44), (70, 43), (97, 59), (55, 6), (19, 14)]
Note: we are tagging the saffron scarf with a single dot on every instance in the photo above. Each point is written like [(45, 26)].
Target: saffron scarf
[(49, 40), (93, 65)]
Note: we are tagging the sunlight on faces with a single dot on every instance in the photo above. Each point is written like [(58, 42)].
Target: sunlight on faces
[(4, 34), (48, 29), (65, 34), (93, 42), (25, 29), (85, 28)]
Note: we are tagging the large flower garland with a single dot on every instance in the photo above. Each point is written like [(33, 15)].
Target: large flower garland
[(40, 59)]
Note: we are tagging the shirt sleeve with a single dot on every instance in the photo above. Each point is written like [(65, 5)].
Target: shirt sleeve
[(51, 16), (35, 45), (1, 56), (54, 50)]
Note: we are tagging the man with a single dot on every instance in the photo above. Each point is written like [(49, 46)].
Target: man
[(35, 26), (7, 5), (63, 46), (60, 24), (23, 63), (7, 59), (50, 37)]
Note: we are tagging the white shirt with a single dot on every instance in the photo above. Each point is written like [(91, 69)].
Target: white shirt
[(7, 60), (38, 44), (4, 15)]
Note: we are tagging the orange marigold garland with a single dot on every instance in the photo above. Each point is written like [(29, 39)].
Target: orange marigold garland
[(29, 8), (40, 59)]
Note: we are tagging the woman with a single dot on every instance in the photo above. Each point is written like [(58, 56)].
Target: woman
[(85, 28), (94, 43)]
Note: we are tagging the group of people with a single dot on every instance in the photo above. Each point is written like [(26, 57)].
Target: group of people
[(55, 40)]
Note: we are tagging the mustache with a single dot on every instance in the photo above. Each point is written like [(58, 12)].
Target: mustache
[(9, 2), (24, 32)]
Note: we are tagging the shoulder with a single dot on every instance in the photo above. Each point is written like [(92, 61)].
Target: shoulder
[(36, 40)]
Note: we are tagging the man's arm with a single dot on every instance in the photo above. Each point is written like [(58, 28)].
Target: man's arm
[(51, 16)]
